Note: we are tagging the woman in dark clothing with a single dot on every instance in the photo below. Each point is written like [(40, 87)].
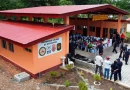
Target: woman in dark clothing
[(114, 70)]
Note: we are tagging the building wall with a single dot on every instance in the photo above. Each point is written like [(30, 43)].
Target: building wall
[(128, 27), (102, 24), (30, 61), (46, 62), (20, 56)]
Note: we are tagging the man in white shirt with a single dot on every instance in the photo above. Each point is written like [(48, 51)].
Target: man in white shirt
[(107, 66), (99, 63)]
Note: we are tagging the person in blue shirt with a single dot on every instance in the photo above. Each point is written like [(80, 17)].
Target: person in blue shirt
[(127, 53)]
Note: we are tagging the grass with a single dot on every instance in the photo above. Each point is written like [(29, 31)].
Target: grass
[(128, 34)]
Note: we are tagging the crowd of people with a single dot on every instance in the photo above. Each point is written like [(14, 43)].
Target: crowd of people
[(96, 44), (88, 43), (116, 66)]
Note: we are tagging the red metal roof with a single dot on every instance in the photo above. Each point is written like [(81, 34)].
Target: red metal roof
[(29, 33), (63, 10)]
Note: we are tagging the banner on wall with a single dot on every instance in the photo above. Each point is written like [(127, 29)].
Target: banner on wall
[(49, 47), (99, 17)]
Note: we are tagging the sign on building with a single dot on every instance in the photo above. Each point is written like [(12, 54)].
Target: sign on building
[(99, 17), (49, 47)]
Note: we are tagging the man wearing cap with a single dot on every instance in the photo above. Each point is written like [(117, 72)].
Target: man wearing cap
[(127, 53), (119, 64), (99, 63), (107, 66)]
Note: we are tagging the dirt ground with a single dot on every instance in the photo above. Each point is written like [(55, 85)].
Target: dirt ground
[(7, 71)]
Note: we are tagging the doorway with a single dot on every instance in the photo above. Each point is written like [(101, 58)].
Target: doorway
[(98, 31), (84, 31), (105, 32)]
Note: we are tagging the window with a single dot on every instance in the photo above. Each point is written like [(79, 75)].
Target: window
[(112, 30), (79, 27), (4, 44), (11, 47), (27, 49), (92, 29)]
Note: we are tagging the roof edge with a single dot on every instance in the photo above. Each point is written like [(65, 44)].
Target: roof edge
[(39, 40)]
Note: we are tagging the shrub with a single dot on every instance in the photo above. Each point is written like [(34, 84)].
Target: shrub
[(69, 66), (53, 74), (82, 86), (47, 80), (97, 77), (67, 83), (81, 73)]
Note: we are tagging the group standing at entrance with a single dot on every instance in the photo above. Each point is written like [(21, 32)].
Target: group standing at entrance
[(116, 67), (107, 66), (88, 43)]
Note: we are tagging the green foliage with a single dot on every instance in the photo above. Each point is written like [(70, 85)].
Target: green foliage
[(82, 86), (55, 20), (96, 77), (13, 4), (53, 74), (67, 83), (69, 66), (65, 2), (128, 34)]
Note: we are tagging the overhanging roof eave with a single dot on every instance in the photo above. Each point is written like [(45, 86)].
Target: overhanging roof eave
[(58, 15)]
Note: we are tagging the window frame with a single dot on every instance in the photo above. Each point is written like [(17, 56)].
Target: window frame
[(4, 45), (11, 47), (28, 50), (92, 29)]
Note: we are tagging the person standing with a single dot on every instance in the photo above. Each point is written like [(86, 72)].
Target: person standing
[(121, 49), (114, 70), (113, 38), (119, 64), (114, 47), (118, 39), (122, 37), (99, 63), (72, 48), (100, 48), (127, 53), (124, 51), (107, 66)]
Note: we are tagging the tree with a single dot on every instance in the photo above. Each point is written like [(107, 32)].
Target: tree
[(65, 2)]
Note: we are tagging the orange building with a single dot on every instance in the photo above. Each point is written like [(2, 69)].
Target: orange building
[(38, 46)]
